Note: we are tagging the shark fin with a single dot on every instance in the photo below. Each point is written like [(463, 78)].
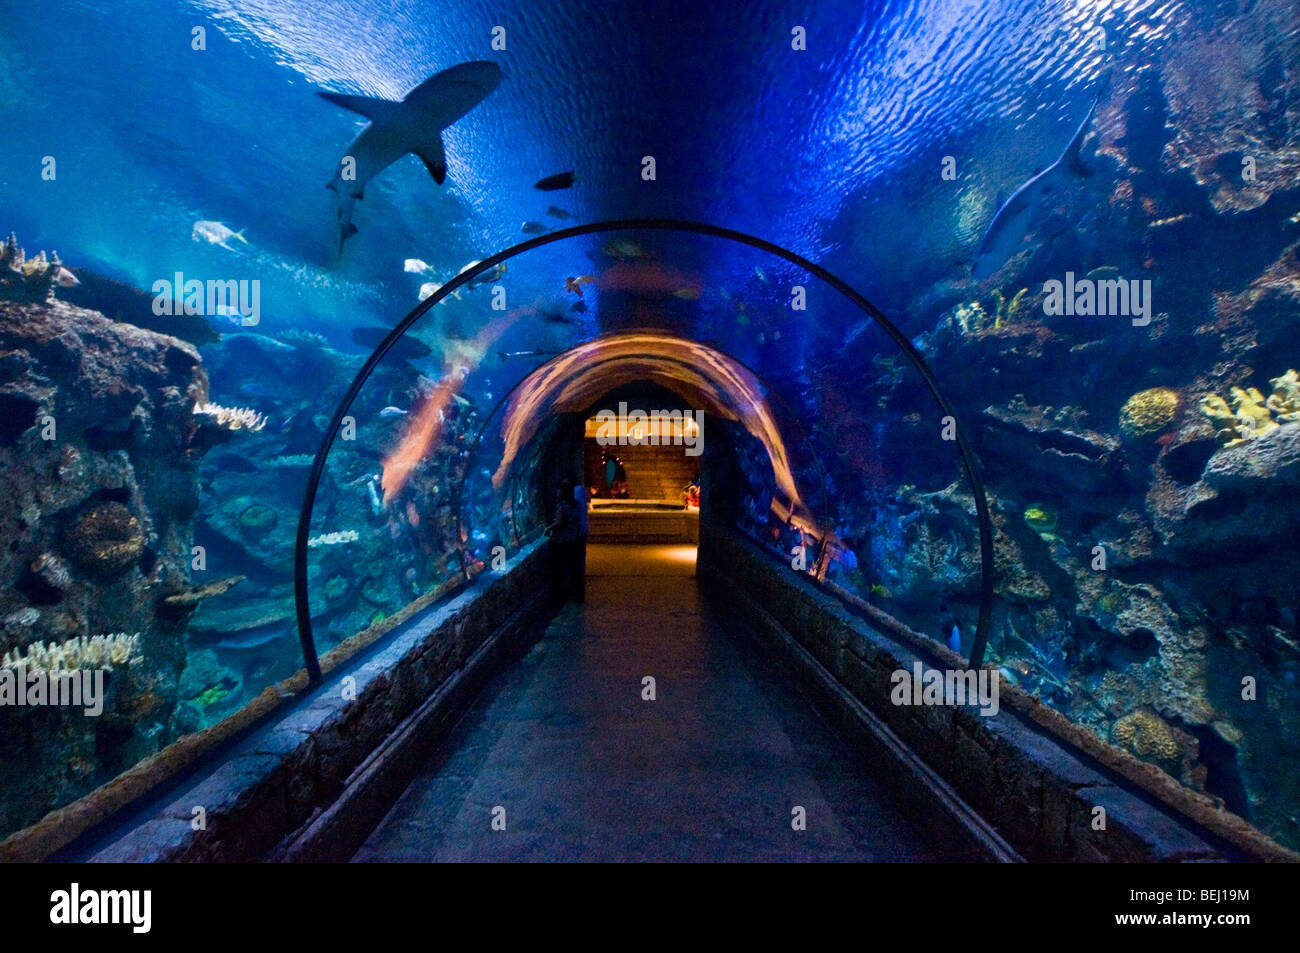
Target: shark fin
[(434, 158), (367, 106)]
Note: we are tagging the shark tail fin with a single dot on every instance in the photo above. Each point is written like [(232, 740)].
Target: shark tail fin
[(434, 158)]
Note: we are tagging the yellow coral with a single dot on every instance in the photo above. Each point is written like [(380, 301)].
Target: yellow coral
[(1147, 735), (1148, 412), (1253, 418), (1285, 399)]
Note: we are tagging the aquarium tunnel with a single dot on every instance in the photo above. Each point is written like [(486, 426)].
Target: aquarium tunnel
[(885, 411)]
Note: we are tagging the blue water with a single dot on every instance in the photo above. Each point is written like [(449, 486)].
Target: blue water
[(816, 150)]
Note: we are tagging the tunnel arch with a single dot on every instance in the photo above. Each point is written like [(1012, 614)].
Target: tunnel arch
[(639, 358), (968, 459)]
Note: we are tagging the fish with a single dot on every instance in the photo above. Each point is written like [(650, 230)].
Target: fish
[(416, 266), (575, 284), (954, 639), (493, 274), (622, 249), (561, 180), (413, 125), (559, 213), (391, 411), (66, 279), (405, 347), (251, 639), (507, 355), (1014, 219), (233, 463), (760, 274), (258, 389), (431, 288), (578, 306), (687, 294), (534, 228), (215, 233)]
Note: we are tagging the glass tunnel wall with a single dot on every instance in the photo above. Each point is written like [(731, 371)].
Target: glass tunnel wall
[(838, 458)]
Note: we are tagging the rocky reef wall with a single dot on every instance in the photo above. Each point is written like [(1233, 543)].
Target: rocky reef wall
[(100, 489)]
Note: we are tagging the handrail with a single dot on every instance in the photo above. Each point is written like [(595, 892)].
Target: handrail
[(969, 461)]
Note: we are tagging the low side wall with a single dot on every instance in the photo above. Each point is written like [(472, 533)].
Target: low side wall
[(1026, 770), (288, 774)]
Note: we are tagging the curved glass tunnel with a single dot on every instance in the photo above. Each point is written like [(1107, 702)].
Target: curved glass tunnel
[(1093, 248), (443, 465)]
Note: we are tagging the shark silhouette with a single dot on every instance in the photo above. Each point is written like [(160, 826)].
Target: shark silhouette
[(413, 125), (1013, 221)]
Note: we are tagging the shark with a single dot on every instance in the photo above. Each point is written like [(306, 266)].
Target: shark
[(1015, 218), (413, 125)]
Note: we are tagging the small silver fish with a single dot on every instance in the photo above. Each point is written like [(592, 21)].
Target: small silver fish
[(391, 411), (416, 266), (65, 279), (215, 233), (534, 228)]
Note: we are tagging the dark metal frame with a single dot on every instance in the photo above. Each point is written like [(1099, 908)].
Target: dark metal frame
[(969, 461)]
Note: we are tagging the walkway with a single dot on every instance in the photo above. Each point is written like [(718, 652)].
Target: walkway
[(588, 770)]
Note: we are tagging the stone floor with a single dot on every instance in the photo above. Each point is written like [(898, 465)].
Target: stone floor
[(586, 770)]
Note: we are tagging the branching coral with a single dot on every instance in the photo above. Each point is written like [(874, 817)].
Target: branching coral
[(333, 539), (230, 418), (99, 651), (1251, 414)]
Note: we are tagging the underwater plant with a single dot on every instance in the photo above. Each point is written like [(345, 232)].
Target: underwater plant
[(1148, 412)]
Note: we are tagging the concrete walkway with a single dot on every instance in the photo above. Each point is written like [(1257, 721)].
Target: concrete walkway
[(587, 770)]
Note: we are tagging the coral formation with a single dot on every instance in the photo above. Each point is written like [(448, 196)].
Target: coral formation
[(31, 280), (105, 541), (333, 539), (99, 651), (258, 519), (1147, 735), (1148, 412), (1252, 415), (230, 418)]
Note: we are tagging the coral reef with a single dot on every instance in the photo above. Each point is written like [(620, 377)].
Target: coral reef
[(333, 539), (230, 418), (1147, 735), (105, 541), (31, 280), (98, 651), (1252, 415), (1148, 412), (98, 527)]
